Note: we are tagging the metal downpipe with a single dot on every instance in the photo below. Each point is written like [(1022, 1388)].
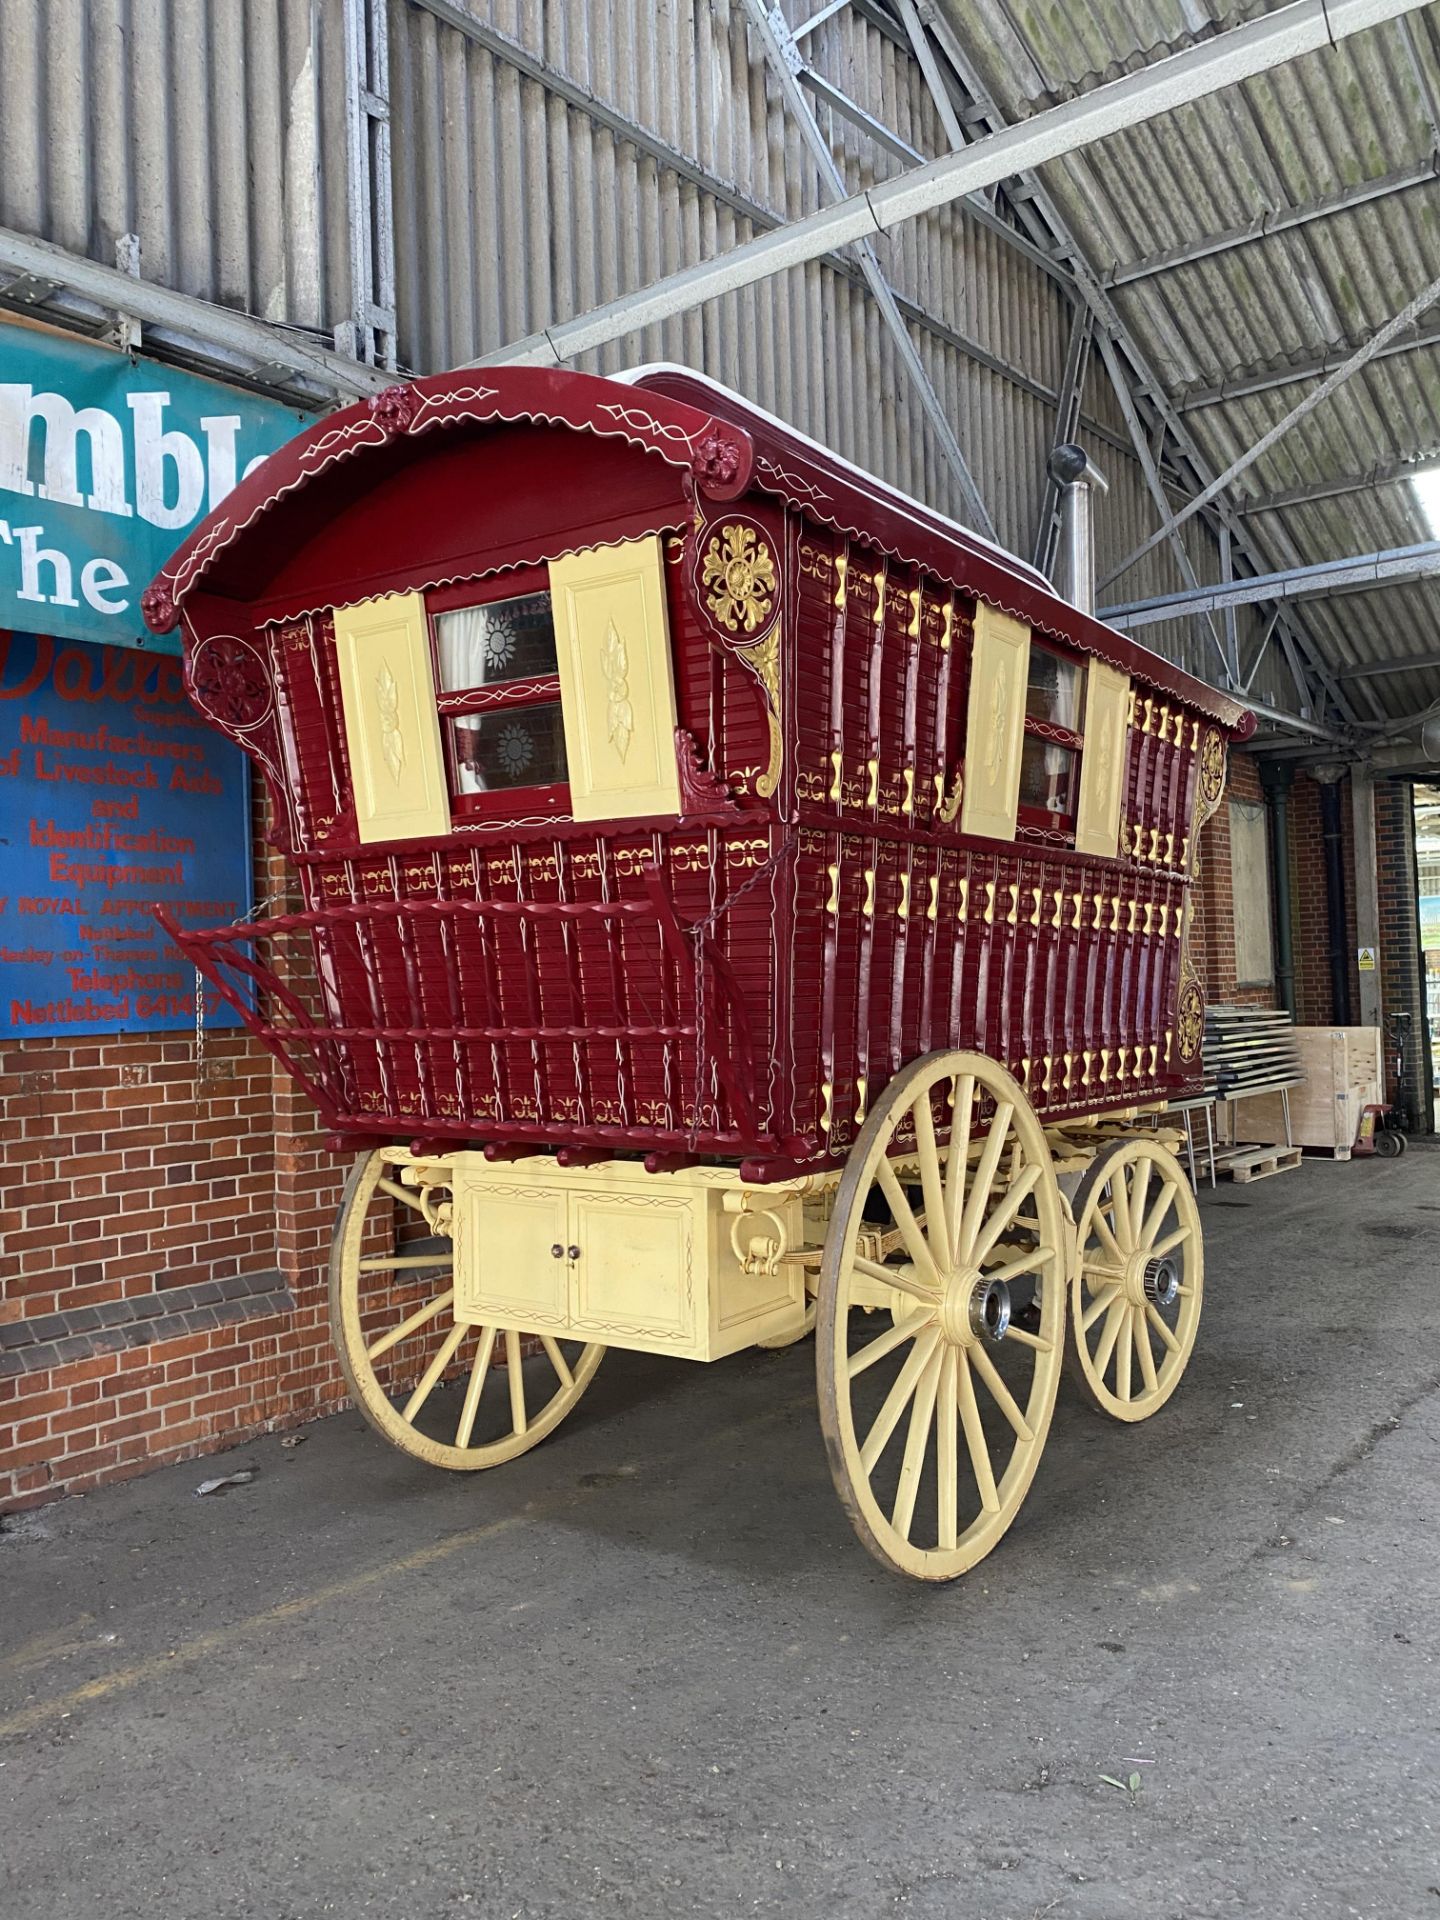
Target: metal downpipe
[(1275, 777), (1339, 939)]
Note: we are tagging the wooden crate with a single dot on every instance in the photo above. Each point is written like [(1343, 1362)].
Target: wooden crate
[(1342, 1075)]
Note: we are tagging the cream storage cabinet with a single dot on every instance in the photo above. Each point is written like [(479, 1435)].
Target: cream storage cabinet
[(666, 1263)]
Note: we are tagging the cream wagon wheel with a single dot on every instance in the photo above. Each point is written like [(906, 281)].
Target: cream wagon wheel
[(1138, 1279), (963, 1252), (451, 1394)]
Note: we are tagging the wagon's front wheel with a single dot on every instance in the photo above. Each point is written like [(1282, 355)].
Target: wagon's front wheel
[(450, 1393), (1139, 1275), (941, 1315)]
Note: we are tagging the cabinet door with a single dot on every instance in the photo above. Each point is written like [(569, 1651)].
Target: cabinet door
[(392, 729), (1102, 761), (507, 1271), (995, 726), (635, 1274), (616, 680)]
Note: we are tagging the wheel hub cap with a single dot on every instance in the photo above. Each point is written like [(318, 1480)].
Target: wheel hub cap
[(1161, 1282), (974, 1308)]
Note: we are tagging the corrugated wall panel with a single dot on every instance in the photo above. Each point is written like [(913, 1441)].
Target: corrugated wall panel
[(213, 129)]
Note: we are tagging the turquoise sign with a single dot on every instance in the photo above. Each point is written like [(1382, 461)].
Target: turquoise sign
[(106, 463)]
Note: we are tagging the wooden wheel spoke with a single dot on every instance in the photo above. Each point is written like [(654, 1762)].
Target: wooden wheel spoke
[(557, 1359), (1004, 1214), (947, 1452), (979, 1193), (897, 1399), (931, 1182), (922, 1418), (1025, 1263), (1023, 1337), (1108, 1237), (896, 1277), (473, 1391), (1144, 1353), (1139, 1190), (410, 1325), (887, 1342), (999, 1392), (1110, 1333), (1157, 1321), (958, 1159), (1102, 1303), (975, 1439), (1122, 1353), (1170, 1243), (910, 1230), (518, 1420), (1157, 1213), (432, 1373), (397, 1192)]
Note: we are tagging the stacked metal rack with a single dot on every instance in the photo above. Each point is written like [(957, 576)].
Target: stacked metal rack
[(1249, 1051)]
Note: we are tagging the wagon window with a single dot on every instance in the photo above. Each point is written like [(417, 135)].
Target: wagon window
[(1050, 752), (499, 698)]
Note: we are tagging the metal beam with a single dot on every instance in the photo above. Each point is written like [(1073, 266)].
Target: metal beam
[(1362, 357), (1357, 574), (784, 61), (1245, 381), (1036, 211), (1279, 220), (1297, 723), (368, 182), (1390, 473), (1405, 663), (1303, 26), (234, 343)]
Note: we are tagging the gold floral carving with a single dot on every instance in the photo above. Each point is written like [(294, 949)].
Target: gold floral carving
[(619, 712), (1190, 1019), (1212, 769), (739, 578), (764, 660), (387, 705)]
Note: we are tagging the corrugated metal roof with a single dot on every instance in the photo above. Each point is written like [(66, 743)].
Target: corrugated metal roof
[(1310, 130)]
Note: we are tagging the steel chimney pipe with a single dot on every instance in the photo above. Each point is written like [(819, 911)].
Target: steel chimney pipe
[(1078, 479)]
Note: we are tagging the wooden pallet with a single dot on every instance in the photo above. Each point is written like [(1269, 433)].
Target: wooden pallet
[(1244, 1164)]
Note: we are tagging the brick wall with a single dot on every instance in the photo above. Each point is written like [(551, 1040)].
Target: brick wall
[(164, 1225), (1314, 995)]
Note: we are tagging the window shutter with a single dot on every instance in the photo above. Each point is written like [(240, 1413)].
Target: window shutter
[(995, 728), (1102, 763), (616, 681), (387, 688)]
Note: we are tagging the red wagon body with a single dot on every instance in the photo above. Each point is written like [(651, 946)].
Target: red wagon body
[(877, 790)]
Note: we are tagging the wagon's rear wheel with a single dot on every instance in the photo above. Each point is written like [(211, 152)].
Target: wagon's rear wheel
[(941, 1315), (451, 1394), (1138, 1279)]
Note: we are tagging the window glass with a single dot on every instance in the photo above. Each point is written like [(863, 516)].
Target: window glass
[(509, 747), (1047, 776), (503, 640), (1054, 690)]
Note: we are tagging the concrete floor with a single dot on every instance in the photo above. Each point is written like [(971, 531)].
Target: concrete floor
[(648, 1671)]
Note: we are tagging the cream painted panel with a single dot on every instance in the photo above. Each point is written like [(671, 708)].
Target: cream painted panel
[(635, 1275), (616, 680), (506, 1270), (995, 727), (1102, 764), (387, 688)]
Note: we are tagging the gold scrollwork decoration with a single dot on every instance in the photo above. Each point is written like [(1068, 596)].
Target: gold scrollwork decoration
[(739, 578)]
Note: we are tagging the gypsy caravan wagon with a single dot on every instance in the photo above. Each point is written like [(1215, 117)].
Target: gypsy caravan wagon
[(731, 899)]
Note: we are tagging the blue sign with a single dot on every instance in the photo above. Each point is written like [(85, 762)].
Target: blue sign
[(106, 463), (113, 794)]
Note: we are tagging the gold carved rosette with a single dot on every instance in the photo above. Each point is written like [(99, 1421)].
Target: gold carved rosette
[(1209, 790), (735, 571)]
